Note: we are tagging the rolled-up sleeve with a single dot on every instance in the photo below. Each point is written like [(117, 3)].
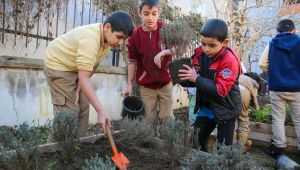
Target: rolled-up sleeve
[(264, 59), (132, 51), (87, 53)]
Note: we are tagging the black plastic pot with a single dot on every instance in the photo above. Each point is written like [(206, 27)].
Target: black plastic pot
[(175, 66), (133, 107)]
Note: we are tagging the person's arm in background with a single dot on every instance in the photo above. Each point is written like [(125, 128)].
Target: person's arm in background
[(158, 58), (131, 71), (264, 59), (132, 55)]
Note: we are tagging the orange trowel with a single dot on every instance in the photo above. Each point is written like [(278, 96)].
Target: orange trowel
[(119, 158)]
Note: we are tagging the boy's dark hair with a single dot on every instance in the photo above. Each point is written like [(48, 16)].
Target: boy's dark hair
[(257, 78), (215, 28), (285, 25), (120, 21), (150, 3)]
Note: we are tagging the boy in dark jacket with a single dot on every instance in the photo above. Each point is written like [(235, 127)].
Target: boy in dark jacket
[(215, 74), (152, 76), (281, 60)]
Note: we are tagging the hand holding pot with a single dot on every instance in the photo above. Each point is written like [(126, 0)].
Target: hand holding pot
[(158, 58), (188, 74)]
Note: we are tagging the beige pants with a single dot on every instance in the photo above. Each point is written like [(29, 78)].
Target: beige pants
[(242, 122), (158, 106), (278, 103), (62, 87)]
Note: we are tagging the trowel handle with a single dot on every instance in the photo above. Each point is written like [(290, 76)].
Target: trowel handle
[(111, 141)]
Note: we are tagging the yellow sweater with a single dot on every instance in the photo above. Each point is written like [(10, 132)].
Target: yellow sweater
[(82, 48)]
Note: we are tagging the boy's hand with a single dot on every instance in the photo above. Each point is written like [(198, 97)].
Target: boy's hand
[(188, 74), (128, 91), (104, 120), (158, 58)]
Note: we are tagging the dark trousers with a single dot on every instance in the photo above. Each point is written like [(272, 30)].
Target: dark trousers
[(206, 126)]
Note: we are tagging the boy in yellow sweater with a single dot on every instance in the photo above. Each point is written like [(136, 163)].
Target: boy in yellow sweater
[(72, 59)]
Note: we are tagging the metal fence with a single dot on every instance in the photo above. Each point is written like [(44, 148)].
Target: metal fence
[(36, 22), (57, 19), (23, 25)]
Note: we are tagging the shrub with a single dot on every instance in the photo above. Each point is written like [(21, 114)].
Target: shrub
[(98, 163), (177, 137), (262, 115), (24, 142), (177, 34), (64, 129), (176, 132), (225, 158), (134, 131)]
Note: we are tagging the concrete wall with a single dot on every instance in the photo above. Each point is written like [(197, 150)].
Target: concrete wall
[(25, 96)]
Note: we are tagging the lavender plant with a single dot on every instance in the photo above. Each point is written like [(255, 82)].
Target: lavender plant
[(135, 131), (98, 163), (19, 147), (176, 35), (225, 158), (64, 129)]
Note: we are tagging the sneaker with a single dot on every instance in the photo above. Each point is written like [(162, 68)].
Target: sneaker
[(274, 151)]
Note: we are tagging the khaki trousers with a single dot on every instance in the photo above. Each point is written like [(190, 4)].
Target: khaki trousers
[(62, 88), (278, 104), (158, 106), (242, 122)]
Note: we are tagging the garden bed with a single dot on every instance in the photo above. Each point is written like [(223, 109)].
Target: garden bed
[(136, 142), (261, 134)]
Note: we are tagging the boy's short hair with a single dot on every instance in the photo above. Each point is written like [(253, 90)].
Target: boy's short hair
[(215, 28), (120, 21), (285, 25), (150, 3)]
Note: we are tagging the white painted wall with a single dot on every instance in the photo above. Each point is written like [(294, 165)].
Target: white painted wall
[(25, 96)]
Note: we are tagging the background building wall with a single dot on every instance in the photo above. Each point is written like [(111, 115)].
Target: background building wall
[(25, 96)]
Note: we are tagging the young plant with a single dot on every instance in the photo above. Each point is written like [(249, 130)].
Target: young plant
[(177, 137), (176, 35), (24, 142), (64, 129), (98, 163), (225, 158), (135, 131), (288, 120), (262, 115)]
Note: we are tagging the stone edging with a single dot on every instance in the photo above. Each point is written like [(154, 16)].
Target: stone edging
[(53, 147)]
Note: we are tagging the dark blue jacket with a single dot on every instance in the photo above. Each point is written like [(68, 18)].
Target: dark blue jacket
[(284, 63)]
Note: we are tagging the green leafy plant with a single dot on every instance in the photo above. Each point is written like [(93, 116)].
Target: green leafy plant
[(262, 115), (98, 163), (288, 120)]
